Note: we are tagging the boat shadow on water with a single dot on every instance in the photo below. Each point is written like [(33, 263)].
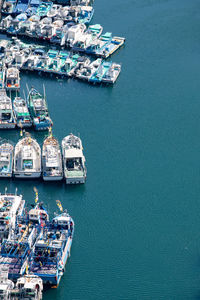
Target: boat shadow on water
[(49, 184)]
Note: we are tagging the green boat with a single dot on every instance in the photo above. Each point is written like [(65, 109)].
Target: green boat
[(21, 113), (70, 64), (39, 110), (53, 61)]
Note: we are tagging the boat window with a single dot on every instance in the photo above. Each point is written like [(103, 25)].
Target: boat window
[(5, 116), (74, 164), (27, 164)]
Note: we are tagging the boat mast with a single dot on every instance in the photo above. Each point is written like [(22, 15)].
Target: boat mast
[(44, 91)]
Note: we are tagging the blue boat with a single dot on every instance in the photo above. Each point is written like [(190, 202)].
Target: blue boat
[(52, 250), (16, 249), (111, 46), (39, 110), (43, 8), (15, 255), (33, 6), (21, 7)]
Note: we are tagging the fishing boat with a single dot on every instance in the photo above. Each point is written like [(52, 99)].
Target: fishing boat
[(46, 30), (11, 207), (14, 253), (52, 62), (69, 65), (13, 27), (27, 158), (52, 249), (73, 160), (86, 14), (63, 55), (6, 159), (8, 6), (83, 42), (39, 110), (58, 36), (95, 30), (54, 11), (32, 8), (64, 13), (6, 286), (21, 17), (5, 23), (7, 119), (27, 287), (16, 25), (74, 33), (12, 79), (21, 7), (43, 8), (21, 112), (34, 22), (97, 45), (30, 63), (87, 71), (38, 215), (51, 159), (82, 62), (100, 72), (112, 74)]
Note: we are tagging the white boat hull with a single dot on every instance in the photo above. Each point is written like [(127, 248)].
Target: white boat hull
[(8, 175), (52, 178), (7, 126), (27, 174), (24, 125), (75, 180), (13, 88)]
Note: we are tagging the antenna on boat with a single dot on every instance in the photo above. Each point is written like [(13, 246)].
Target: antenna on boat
[(6, 190), (27, 87), (24, 95), (36, 194), (16, 191), (44, 91)]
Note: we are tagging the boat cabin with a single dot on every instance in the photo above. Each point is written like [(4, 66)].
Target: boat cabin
[(37, 215), (12, 79)]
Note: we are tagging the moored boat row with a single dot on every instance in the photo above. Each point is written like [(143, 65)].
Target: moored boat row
[(24, 113), (68, 12), (34, 250), (77, 37), (28, 57), (26, 160)]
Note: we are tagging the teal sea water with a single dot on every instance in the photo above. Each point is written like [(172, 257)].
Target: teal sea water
[(137, 218)]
